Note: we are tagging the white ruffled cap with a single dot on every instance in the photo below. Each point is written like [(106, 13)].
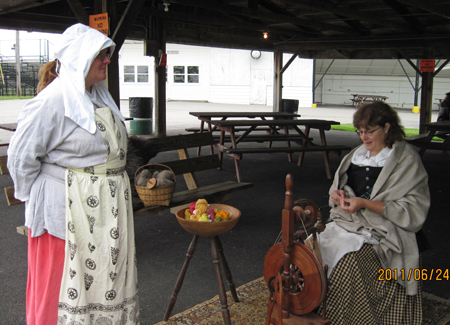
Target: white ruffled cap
[(77, 50)]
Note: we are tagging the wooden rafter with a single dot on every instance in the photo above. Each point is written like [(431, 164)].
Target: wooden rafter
[(126, 21), (328, 6), (273, 17), (437, 9), (405, 13), (78, 11)]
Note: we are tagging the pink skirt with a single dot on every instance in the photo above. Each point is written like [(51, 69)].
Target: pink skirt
[(45, 268)]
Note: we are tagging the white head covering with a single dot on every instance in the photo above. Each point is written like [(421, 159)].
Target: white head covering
[(79, 47)]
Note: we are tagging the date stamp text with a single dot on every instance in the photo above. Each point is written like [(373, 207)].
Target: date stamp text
[(416, 274)]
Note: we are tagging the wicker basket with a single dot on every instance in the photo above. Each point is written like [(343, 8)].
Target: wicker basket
[(158, 195)]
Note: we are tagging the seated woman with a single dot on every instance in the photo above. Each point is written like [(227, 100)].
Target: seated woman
[(444, 115), (444, 109), (379, 200)]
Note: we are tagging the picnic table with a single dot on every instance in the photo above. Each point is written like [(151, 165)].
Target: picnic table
[(274, 125), (359, 99), (440, 129), (8, 126), (205, 117)]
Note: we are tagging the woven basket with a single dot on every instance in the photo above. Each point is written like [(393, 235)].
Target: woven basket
[(158, 195)]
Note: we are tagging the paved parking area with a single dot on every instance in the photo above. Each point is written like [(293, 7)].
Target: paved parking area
[(161, 243)]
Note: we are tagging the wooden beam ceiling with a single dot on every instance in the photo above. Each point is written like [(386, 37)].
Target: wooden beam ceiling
[(349, 28)]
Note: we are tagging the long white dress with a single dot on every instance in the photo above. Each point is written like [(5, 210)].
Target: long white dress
[(99, 284)]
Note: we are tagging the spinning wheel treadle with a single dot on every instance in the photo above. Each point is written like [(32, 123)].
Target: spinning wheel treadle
[(292, 271)]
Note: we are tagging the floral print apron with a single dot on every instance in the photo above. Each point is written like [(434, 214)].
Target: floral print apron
[(99, 283)]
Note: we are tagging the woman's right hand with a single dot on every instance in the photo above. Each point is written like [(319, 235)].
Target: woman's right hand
[(337, 195)]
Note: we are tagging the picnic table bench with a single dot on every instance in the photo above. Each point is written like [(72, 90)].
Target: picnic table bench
[(302, 138), (359, 99), (424, 141), (186, 166)]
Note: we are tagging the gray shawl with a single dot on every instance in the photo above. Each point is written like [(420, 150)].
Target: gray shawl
[(403, 186)]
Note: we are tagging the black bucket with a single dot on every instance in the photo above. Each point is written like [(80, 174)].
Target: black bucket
[(289, 106), (141, 107)]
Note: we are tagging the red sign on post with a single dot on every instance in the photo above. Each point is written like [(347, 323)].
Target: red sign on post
[(100, 22), (427, 65)]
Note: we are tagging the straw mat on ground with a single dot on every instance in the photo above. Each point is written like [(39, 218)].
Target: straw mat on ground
[(252, 308)]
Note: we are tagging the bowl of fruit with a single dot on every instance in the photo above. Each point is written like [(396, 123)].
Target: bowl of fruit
[(208, 220)]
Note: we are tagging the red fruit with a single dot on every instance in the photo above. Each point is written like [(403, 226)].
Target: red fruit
[(211, 214), (192, 207)]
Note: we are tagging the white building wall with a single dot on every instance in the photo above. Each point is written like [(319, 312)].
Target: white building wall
[(132, 53), (183, 55), (226, 75), (338, 89)]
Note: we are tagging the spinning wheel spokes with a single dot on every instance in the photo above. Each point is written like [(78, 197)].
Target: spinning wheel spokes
[(306, 293)]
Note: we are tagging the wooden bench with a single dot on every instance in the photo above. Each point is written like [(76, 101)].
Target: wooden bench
[(187, 166), (3, 168), (237, 130), (237, 153), (418, 137), (421, 141)]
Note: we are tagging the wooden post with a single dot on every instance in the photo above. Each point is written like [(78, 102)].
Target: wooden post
[(426, 100), (426, 94), (160, 82), (277, 79), (112, 68)]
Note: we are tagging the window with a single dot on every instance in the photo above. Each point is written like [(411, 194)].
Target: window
[(180, 75), (133, 74), (128, 73), (142, 73)]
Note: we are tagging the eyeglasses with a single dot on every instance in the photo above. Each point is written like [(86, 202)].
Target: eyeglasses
[(368, 133), (103, 56)]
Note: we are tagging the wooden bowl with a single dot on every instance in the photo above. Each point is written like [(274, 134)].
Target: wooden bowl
[(210, 229)]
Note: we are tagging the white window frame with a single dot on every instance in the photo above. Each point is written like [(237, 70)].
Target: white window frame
[(136, 73), (185, 74)]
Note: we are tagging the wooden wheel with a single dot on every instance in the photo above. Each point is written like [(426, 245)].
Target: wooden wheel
[(306, 213), (308, 287)]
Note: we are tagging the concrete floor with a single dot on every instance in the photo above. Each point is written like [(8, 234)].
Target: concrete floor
[(161, 243)]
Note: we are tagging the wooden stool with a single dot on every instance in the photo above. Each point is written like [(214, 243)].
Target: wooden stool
[(218, 257)]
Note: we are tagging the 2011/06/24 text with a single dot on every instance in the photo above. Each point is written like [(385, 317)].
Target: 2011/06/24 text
[(416, 274)]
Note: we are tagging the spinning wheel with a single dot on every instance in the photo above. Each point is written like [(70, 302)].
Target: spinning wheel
[(292, 270), (308, 286)]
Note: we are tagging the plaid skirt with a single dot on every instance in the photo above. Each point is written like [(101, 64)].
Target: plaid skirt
[(357, 296)]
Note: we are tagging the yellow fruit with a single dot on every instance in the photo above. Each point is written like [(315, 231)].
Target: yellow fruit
[(200, 207)]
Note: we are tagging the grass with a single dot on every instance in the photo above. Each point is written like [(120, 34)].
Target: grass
[(350, 128), (15, 97)]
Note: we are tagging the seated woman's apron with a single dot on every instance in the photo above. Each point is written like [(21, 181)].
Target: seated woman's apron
[(99, 284)]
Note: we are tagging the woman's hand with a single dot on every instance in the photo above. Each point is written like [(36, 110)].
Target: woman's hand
[(337, 195), (352, 205)]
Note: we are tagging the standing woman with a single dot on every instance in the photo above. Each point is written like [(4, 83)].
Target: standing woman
[(379, 200), (67, 160)]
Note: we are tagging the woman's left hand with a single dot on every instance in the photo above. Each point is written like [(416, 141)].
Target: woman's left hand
[(352, 205)]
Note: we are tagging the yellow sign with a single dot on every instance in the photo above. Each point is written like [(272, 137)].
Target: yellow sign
[(100, 22)]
